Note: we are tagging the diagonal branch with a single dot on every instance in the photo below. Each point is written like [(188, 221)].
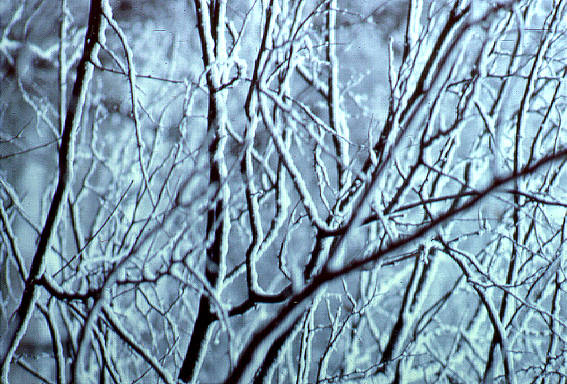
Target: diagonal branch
[(19, 324), (250, 356)]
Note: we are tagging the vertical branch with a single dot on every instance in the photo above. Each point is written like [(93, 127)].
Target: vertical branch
[(304, 358), (211, 27), (336, 118), (131, 71), (252, 253), (12, 240), (49, 314), (340, 140), (252, 113), (63, 26), (517, 165), (18, 326), (412, 26), (218, 223), (553, 326), (415, 293)]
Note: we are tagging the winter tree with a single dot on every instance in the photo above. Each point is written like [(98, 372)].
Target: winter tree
[(275, 191)]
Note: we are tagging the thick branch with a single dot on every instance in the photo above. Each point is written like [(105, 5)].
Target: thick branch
[(95, 34)]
